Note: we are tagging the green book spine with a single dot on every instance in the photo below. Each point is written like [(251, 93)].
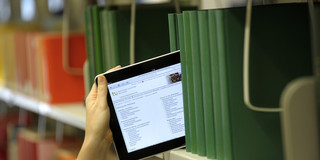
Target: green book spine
[(214, 59), (97, 39), (197, 85), (189, 76), (114, 51), (206, 84), (184, 82), (105, 46), (89, 43), (227, 146), (173, 32)]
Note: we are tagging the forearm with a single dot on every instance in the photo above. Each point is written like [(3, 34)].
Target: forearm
[(93, 149)]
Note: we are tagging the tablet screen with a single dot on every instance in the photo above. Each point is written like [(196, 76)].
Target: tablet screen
[(149, 107), (146, 107)]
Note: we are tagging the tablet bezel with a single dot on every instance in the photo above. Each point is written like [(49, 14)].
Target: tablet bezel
[(128, 72)]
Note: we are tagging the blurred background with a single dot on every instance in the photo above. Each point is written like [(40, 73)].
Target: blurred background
[(50, 52)]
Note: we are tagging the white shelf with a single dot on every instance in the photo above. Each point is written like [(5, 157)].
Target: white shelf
[(71, 114), (181, 154)]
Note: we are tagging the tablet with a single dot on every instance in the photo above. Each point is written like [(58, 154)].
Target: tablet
[(146, 107)]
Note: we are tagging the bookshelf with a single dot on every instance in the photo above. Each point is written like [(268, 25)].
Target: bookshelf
[(71, 114), (74, 114)]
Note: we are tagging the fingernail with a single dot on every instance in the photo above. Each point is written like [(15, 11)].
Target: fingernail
[(100, 79)]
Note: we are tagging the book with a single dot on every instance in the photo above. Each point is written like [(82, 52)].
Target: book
[(106, 39), (22, 75), (173, 32), (97, 39), (114, 46), (197, 82), (184, 82), (33, 65), (7, 116), (27, 145), (9, 60), (176, 30), (33, 147), (2, 31), (215, 81), (189, 77), (89, 45), (206, 77)]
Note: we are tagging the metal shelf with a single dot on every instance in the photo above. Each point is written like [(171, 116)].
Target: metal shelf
[(72, 114)]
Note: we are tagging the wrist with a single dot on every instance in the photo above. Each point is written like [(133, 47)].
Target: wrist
[(93, 148)]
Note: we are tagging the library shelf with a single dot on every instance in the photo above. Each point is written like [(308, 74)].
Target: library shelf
[(182, 154), (72, 114)]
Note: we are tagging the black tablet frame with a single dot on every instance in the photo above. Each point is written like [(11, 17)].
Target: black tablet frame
[(128, 72)]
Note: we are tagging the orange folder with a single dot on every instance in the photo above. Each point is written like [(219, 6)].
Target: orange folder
[(61, 86)]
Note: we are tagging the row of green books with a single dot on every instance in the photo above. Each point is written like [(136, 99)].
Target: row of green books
[(218, 123), (108, 35)]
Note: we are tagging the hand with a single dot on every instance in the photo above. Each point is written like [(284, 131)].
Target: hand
[(98, 136)]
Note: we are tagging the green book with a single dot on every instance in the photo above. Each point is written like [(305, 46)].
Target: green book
[(105, 40), (279, 53), (89, 43), (197, 82), (206, 78), (180, 30), (226, 129), (114, 51), (215, 82), (189, 77), (97, 39), (173, 36)]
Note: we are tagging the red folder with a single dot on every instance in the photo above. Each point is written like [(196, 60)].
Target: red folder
[(61, 86)]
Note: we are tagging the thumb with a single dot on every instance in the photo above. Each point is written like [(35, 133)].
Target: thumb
[(102, 90)]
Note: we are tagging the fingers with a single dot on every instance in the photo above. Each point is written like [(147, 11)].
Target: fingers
[(102, 87), (91, 96), (102, 90)]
